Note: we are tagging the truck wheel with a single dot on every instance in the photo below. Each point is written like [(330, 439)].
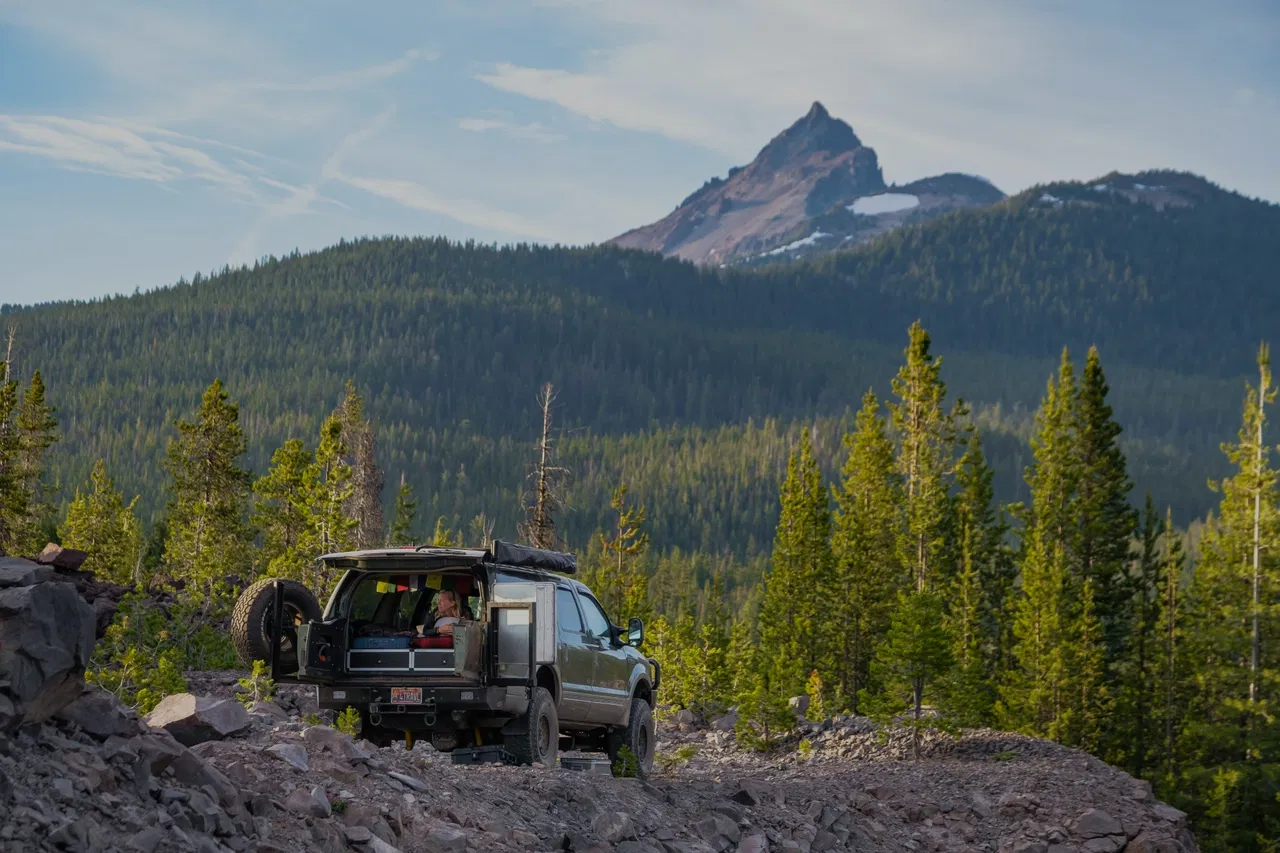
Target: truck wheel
[(638, 736), (251, 621), (538, 736)]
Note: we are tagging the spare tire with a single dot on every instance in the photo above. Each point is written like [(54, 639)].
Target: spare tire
[(251, 628)]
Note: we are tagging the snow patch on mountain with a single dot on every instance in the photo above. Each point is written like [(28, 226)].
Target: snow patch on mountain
[(797, 244), (874, 205)]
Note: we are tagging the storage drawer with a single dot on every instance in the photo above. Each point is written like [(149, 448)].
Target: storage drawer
[(433, 660), (364, 659)]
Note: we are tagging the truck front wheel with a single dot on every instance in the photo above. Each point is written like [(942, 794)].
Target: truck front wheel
[(639, 738), (534, 738)]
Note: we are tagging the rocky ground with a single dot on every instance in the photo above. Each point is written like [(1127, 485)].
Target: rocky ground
[(80, 773)]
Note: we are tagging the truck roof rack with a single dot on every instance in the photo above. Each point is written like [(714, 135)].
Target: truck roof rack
[(524, 557)]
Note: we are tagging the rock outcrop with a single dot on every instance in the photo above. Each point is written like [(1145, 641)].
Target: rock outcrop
[(46, 640)]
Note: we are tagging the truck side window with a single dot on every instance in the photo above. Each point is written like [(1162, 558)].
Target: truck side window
[(597, 623), (567, 613)]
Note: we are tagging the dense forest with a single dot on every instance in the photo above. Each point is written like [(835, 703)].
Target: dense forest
[(449, 343)]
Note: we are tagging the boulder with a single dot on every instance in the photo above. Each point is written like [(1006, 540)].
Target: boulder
[(68, 559), (100, 714), (799, 704), (292, 754), (196, 719), (46, 639), (312, 803), (1148, 842), (15, 571), (158, 749), (446, 839), (270, 710), (612, 827), (1095, 823), (726, 723), (415, 784)]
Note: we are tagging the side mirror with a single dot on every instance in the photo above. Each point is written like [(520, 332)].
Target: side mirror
[(635, 632)]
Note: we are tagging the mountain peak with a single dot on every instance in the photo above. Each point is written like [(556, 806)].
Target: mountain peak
[(817, 111), (817, 130)]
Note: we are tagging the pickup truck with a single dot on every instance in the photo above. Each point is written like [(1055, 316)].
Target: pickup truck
[(532, 663)]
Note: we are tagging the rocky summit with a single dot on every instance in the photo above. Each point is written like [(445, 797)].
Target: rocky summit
[(815, 187), (81, 773)]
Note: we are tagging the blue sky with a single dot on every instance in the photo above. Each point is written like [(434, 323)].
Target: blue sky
[(142, 142)]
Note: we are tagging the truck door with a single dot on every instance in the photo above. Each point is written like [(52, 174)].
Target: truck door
[(610, 697), (576, 660)]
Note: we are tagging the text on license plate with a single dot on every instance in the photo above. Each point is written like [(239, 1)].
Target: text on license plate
[(406, 695)]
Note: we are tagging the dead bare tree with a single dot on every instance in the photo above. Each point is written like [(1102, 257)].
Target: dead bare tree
[(366, 496), (546, 497)]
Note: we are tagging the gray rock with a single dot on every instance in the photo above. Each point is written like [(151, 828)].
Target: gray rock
[(312, 803), (1153, 843), (358, 834), (727, 723), (46, 639), (325, 736), (196, 719), (1169, 813), (612, 827), (446, 839), (684, 717), (292, 754), (1028, 845), (377, 845), (1103, 845), (100, 714), (1095, 823), (269, 709), (147, 840), (158, 748), (62, 558), (799, 704), (14, 571), (753, 844), (415, 784)]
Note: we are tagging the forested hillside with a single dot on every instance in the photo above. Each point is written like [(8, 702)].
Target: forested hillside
[(661, 365)]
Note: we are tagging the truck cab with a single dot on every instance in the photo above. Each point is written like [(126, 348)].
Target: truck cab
[(527, 657)]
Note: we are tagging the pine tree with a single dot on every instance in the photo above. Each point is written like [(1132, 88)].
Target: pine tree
[(978, 590), (1091, 706), (12, 503), (1034, 695), (100, 523), (1136, 734), (1170, 638), (1230, 729), (798, 576), (282, 513), (1105, 520), (405, 518), (360, 451), (926, 443), (917, 649), (208, 538), (445, 536), (36, 431), (867, 573), (622, 582)]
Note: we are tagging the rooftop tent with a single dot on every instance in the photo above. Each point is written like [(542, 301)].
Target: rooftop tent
[(524, 557)]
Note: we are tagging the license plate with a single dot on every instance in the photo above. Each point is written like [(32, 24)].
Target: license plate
[(406, 695)]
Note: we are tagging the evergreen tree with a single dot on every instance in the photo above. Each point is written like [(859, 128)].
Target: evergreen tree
[(36, 431), (1231, 734), (790, 630), (208, 540), (978, 590), (1105, 521), (445, 536), (360, 450), (926, 438), (1137, 734), (867, 573), (1034, 695), (329, 488), (621, 580), (1169, 635), (1091, 705), (405, 518), (282, 513), (100, 523), (917, 650), (12, 502)]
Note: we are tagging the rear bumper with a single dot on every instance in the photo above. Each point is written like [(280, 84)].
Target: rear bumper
[(438, 701)]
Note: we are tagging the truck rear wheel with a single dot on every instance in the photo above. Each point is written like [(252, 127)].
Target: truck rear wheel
[(251, 628), (639, 737), (538, 736)]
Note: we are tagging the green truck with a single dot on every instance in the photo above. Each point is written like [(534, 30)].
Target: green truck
[(527, 659)]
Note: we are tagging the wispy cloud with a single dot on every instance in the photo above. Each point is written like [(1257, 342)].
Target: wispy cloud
[(125, 151), (533, 131)]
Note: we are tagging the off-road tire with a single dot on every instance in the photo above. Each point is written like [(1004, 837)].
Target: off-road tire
[(639, 736), (250, 621), (538, 737)]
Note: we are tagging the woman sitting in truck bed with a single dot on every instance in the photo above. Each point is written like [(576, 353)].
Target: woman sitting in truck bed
[(446, 613)]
